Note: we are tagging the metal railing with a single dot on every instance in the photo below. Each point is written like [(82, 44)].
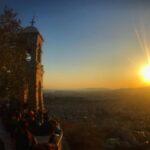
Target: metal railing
[(57, 146), (59, 142)]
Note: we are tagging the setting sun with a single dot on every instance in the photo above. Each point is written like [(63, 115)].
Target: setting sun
[(145, 72)]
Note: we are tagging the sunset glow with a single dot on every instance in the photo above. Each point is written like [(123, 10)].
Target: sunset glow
[(145, 72), (91, 44)]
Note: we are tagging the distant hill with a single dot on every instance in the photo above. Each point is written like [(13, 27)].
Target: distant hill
[(144, 89), (100, 93), (96, 89), (76, 90)]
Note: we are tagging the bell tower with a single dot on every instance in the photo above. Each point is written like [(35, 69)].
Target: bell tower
[(33, 88)]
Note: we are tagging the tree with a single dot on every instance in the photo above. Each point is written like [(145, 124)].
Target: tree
[(12, 55)]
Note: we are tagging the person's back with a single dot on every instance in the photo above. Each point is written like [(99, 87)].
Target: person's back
[(22, 142), (24, 139)]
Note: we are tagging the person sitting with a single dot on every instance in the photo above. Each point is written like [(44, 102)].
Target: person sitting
[(24, 140), (53, 139)]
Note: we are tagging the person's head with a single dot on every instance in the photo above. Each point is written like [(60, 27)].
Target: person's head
[(24, 124)]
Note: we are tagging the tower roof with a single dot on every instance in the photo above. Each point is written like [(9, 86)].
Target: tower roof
[(32, 29)]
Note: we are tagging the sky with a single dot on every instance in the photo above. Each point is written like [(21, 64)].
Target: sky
[(89, 43)]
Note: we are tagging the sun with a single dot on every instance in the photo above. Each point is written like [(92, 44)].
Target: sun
[(145, 73)]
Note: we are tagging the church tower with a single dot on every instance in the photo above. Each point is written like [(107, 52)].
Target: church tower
[(33, 94)]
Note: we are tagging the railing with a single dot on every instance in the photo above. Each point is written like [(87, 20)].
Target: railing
[(59, 142), (57, 146)]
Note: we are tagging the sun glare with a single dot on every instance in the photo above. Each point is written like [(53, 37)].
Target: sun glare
[(145, 73)]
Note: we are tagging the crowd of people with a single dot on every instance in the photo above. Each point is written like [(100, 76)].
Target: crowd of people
[(25, 124)]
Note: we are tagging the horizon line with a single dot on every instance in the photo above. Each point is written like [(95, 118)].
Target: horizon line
[(100, 88)]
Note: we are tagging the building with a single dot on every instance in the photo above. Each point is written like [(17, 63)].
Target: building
[(32, 93)]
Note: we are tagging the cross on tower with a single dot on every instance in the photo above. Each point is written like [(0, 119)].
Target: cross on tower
[(33, 21)]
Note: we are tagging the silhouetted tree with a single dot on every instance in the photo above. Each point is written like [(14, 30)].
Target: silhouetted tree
[(12, 54)]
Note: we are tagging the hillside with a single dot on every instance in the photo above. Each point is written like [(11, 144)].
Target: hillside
[(111, 119)]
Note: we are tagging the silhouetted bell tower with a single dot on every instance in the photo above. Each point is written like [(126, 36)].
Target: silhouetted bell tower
[(33, 88)]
